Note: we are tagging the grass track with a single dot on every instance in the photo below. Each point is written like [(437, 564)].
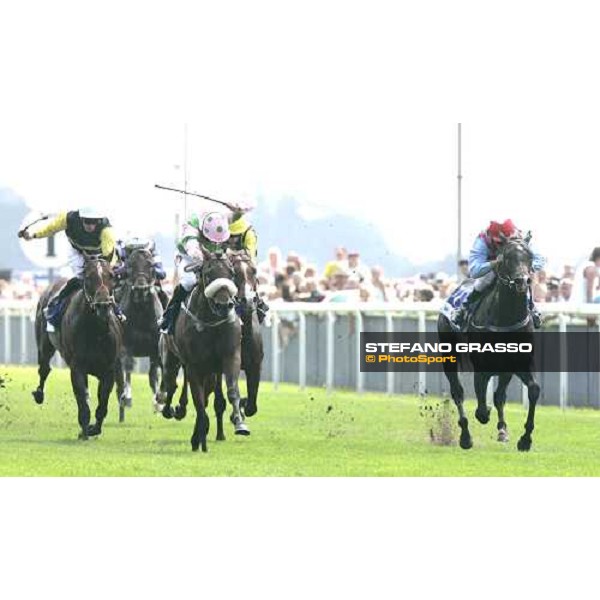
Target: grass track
[(294, 434)]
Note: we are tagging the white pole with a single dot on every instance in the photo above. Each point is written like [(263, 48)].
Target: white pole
[(302, 352), (23, 336), (275, 349), (422, 372), (360, 376), (459, 179), (563, 375), (330, 350), (389, 328), (6, 335)]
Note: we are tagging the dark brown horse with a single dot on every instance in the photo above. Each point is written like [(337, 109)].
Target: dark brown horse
[(137, 295), (89, 339), (505, 311), (206, 342)]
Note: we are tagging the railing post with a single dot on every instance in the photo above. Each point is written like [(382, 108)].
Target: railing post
[(302, 351), (275, 349), (6, 335), (563, 386), (330, 364), (389, 328), (359, 374), (23, 357), (422, 372)]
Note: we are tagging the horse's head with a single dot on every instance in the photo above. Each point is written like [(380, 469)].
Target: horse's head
[(218, 281), (98, 285), (244, 272), (514, 265), (140, 273)]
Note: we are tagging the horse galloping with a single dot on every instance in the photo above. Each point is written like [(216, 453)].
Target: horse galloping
[(139, 301), (504, 309), (89, 339), (206, 342)]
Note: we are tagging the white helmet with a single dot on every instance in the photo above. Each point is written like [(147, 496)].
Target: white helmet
[(89, 212)]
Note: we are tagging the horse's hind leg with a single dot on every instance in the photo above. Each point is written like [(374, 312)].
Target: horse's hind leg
[(168, 384), (79, 381), (482, 412), (45, 353), (499, 402), (128, 363), (533, 392), (220, 406), (105, 387), (458, 395), (153, 378)]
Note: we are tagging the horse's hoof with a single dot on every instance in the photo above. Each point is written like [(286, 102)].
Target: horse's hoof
[(503, 435), (94, 430), (483, 416), (38, 396), (180, 413), (250, 409), (466, 442), (83, 436), (524, 444), (128, 402), (167, 411), (158, 407), (220, 437), (242, 429)]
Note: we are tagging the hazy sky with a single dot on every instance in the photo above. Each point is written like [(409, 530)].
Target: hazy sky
[(346, 106)]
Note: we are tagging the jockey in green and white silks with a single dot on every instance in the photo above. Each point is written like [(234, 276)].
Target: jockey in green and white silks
[(210, 230)]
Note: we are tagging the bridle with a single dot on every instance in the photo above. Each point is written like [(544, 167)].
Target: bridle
[(520, 284), (92, 299), (131, 276)]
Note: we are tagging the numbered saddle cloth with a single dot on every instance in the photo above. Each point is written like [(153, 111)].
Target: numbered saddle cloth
[(457, 299)]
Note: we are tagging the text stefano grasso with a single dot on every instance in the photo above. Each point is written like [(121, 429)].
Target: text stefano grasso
[(441, 347)]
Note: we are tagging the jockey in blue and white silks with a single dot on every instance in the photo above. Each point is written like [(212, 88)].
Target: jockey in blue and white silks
[(482, 262)]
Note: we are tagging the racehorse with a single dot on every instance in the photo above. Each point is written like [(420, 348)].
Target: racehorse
[(206, 342), (138, 298), (505, 310), (252, 347), (89, 338)]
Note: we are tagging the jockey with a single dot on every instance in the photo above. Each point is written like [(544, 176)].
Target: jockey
[(482, 264), (210, 230), (243, 237), (89, 232)]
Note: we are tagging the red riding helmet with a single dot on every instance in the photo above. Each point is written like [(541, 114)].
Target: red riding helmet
[(496, 232)]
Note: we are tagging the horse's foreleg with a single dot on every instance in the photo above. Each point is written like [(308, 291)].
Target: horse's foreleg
[(533, 392), (181, 408), (168, 384), (458, 395), (199, 434), (220, 406), (79, 382), (233, 395), (153, 374), (105, 387), (499, 402), (482, 413)]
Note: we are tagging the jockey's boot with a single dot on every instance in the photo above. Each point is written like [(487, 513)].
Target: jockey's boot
[(261, 309), (119, 313), (53, 312), (167, 323)]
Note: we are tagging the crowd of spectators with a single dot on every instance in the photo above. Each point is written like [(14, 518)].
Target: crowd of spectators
[(345, 278)]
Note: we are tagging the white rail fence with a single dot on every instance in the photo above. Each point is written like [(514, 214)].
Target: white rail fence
[(18, 317)]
